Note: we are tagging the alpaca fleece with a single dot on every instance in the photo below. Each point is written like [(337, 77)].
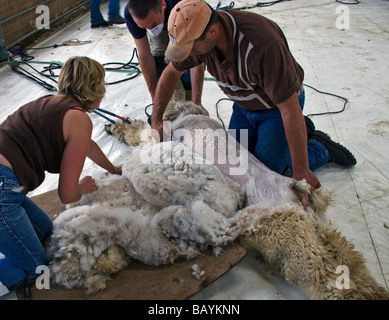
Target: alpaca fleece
[(189, 207), (177, 198)]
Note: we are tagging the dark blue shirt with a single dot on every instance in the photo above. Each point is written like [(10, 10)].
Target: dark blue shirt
[(139, 33)]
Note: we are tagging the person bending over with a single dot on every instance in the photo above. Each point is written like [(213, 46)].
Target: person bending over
[(249, 57), (52, 133)]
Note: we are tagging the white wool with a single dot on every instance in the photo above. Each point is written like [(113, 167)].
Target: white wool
[(157, 211), (172, 174)]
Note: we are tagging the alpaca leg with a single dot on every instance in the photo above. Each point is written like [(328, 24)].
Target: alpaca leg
[(111, 261), (288, 241), (364, 285)]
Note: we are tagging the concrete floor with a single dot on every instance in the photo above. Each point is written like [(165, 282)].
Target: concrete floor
[(343, 50)]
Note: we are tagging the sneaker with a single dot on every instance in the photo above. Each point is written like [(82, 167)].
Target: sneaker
[(118, 20), (337, 153), (100, 24), (310, 126)]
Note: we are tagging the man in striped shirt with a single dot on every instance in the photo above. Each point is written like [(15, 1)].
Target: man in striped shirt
[(249, 57)]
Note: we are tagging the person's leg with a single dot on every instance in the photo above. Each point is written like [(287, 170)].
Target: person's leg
[(160, 64), (95, 14), (114, 16), (39, 219), (21, 246), (240, 119), (272, 146), (267, 139), (186, 82), (19, 242), (113, 9)]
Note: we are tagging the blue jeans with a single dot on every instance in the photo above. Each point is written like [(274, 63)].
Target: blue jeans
[(23, 225), (267, 139), (95, 13)]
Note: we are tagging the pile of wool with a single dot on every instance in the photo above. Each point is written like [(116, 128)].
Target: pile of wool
[(168, 204)]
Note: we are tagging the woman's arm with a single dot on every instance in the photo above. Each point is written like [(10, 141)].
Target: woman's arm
[(77, 128), (98, 157)]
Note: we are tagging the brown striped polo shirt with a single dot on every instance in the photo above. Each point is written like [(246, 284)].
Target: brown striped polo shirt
[(259, 70)]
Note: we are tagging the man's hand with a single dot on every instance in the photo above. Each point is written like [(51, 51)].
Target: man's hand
[(118, 169), (166, 85), (296, 134), (309, 176), (157, 130), (312, 180)]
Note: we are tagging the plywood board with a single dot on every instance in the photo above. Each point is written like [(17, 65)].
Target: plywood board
[(143, 282)]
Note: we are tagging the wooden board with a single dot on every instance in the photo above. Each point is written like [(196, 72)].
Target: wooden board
[(140, 281)]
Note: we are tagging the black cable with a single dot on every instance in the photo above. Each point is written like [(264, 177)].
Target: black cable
[(52, 66), (343, 2), (15, 66), (257, 5), (24, 56), (330, 94), (268, 4), (48, 71), (217, 111), (125, 66), (147, 114), (22, 51), (308, 115)]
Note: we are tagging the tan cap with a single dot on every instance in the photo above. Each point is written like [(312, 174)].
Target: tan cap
[(187, 21)]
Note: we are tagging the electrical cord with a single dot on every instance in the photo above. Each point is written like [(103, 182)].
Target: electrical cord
[(22, 51), (217, 111), (147, 114), (15, 66), (308, 115), (49, 70), (268, 4), (330, 94), (130, 65), (257, 5), (343, 2)]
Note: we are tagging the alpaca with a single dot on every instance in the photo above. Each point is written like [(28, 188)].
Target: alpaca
[(188, 209), (291, 237), (138, 132), (135, 133), (176, 199)]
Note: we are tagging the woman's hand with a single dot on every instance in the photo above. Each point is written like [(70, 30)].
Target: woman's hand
[(87, 185), (118, 169)]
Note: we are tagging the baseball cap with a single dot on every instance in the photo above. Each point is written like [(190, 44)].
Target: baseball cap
[(188, 20)]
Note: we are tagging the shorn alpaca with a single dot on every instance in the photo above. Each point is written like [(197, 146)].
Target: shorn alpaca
[(177, 198)]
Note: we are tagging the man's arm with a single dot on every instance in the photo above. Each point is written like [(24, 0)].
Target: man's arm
[(147, 64), (197, 80), (164, 92), (296, 134)]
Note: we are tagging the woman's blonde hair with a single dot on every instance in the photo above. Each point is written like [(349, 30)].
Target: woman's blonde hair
[(83, 79)]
